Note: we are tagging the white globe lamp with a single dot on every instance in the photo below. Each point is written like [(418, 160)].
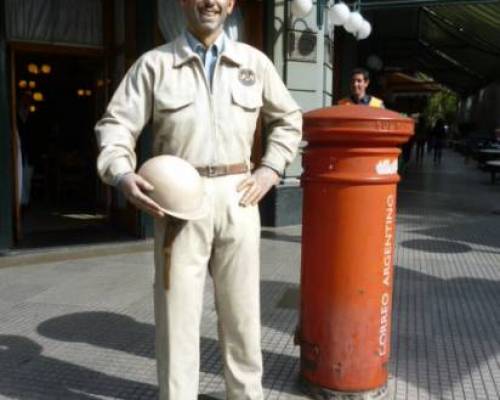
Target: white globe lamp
[(339, 14), (354, 22), (365, 30), (301, 8)]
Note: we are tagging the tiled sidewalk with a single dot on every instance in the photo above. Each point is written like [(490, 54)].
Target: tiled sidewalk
[(81, 327)]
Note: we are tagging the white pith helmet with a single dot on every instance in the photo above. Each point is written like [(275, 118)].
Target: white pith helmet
[(178, 187)]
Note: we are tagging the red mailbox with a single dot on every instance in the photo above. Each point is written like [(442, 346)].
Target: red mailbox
[(349, 210)]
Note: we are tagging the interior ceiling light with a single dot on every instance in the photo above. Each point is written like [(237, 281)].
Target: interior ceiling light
[(80, 92), (23, 84), (88, 92), (33, 68), (38, 96), (374, 62), (46, 69), (32, 84), (32, 108)]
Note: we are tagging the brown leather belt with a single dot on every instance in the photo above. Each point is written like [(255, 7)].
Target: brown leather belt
[(222, 170)]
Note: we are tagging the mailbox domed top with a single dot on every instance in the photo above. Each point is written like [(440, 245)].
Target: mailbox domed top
[(357, 124)]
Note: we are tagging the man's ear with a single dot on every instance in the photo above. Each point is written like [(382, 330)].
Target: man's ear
[(230, 6)]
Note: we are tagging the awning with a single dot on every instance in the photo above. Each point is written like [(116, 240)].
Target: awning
[(405, 85), (455, 42)]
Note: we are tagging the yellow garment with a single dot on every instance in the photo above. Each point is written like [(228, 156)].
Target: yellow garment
[(374, 102)]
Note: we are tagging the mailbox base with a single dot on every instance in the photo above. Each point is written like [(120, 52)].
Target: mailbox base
[(321, 393)]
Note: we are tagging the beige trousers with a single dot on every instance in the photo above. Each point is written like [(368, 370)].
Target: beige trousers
[(225, 244)]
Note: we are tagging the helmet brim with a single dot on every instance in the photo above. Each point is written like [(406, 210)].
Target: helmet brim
[(199, 213)]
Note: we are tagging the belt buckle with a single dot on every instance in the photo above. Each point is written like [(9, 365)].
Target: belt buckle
[(211, 171)]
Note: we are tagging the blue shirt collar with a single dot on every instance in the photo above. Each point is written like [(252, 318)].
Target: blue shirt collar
[(183, 52), (217, 47)]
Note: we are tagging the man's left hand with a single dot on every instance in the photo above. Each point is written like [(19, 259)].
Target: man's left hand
[(256, 186)]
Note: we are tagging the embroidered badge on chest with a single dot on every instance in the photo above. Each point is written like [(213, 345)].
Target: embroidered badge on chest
[(246, 77)]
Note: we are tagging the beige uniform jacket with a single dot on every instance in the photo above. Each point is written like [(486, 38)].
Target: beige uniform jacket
[(204, 126)]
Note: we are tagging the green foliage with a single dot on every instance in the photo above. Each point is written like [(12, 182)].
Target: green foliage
[(443, 104)]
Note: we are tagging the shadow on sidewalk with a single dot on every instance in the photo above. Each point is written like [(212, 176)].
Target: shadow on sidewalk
[(442, 246), (444, 330), (484, 232), (27, 375), (123, 333)]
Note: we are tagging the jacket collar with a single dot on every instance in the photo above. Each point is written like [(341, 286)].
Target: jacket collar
[(183, 52), (232, 52)]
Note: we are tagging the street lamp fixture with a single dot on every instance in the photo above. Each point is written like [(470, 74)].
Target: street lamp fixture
[(338, 14)]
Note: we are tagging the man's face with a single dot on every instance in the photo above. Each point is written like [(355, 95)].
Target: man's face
[(206, 17), (359, 85)]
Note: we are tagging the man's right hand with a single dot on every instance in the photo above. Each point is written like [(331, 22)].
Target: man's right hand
[(133, 187)]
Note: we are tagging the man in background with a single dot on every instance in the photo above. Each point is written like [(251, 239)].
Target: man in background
[(360, 80)]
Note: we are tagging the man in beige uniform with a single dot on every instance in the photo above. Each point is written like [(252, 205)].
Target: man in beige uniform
[(204, 93)]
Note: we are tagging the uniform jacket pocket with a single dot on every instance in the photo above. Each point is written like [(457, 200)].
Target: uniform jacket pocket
[(248, 98), (174, 103)]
